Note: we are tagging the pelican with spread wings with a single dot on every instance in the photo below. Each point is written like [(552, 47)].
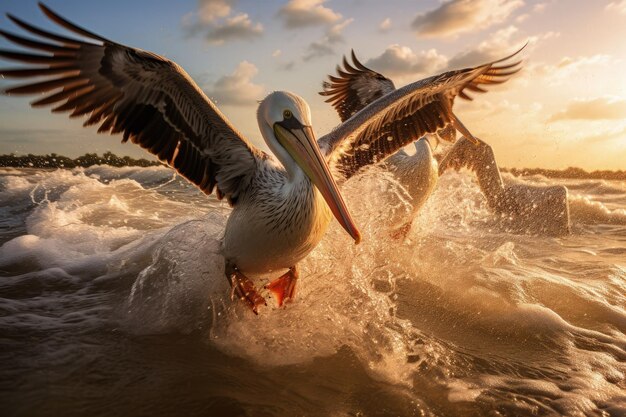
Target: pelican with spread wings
[(280, 209), (357, 92), (282, 206)]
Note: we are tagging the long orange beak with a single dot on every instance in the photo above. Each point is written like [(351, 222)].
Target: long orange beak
[(301, 144)]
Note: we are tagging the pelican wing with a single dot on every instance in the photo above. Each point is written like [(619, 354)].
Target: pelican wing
[(402, 116), (149, 99), (355, 87)]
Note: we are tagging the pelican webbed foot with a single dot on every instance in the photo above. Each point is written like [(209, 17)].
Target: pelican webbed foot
[(284, 287), (243, 288)]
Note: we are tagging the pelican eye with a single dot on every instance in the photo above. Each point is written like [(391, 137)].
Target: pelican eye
[(287, 114)]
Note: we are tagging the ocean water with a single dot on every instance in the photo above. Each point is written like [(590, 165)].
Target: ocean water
[(113, 302)]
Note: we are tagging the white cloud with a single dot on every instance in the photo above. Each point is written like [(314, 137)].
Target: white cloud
[(600, 108), (401, 61), (325, 45), (235, 28), (299, 13), (334, 34), (455, 17), (568, 67), (522, 18), (499, 45), (215, 21), (617, 6), (210, 10), (604, 134), (237, 89), (385, 25)]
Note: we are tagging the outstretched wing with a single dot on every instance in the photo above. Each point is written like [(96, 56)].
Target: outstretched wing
[(147, 98), (406, 114), (355, 87)]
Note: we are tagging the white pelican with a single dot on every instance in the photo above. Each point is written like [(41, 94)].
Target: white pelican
[(279, 214), (531, 208)]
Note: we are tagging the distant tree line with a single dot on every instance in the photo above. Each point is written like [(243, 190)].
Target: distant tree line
[(59, 161), (108, 158), (571, 172)]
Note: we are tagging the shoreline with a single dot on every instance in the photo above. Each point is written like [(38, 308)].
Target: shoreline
[(54, 160), (108, 158)]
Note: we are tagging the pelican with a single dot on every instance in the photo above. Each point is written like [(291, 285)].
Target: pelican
[(537, 209), (281, 209), (282, 205)]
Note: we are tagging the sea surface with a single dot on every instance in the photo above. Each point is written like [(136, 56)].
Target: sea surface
[(113, 302)]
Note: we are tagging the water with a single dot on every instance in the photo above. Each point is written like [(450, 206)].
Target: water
[(113, 302)]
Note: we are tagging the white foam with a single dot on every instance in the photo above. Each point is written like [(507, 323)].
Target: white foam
[(584, 209)]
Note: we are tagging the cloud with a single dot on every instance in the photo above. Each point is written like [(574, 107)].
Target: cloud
[(499, 45), (237, 89), (318, 49), (385, 25), (574, 64), (601, 108), (298, 13), (537, 8), (604, 135), (455, 17), (401, 61), (283, 65), (210, 10), (617, 6), (287, 66), (215, 21), (236, 28), (334, 34), (522, 18), (568, 67), (325, 46)]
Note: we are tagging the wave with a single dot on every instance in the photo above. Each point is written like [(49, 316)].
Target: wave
[(585, 210), (460, 315)]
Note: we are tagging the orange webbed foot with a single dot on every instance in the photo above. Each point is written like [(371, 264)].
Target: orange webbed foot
[(284, 287), (244, 289)]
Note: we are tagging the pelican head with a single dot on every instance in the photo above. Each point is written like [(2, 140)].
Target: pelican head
[(286, 120)]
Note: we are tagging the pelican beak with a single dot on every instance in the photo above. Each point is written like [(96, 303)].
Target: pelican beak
[(300, 142)]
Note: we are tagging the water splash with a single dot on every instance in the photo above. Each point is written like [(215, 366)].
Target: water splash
[(459, 314)]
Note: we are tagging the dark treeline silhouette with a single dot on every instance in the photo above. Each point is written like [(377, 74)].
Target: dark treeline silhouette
[(108, 158), (571, 172), (59, 161)]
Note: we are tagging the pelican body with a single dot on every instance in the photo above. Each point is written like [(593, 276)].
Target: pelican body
[(276, 226), (417, 172), (282, 216)]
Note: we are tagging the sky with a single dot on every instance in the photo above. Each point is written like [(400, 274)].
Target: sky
[(566, 108)]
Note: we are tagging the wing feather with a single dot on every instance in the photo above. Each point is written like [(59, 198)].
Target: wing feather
[(384, 125), (145, 97), (356, 87)]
